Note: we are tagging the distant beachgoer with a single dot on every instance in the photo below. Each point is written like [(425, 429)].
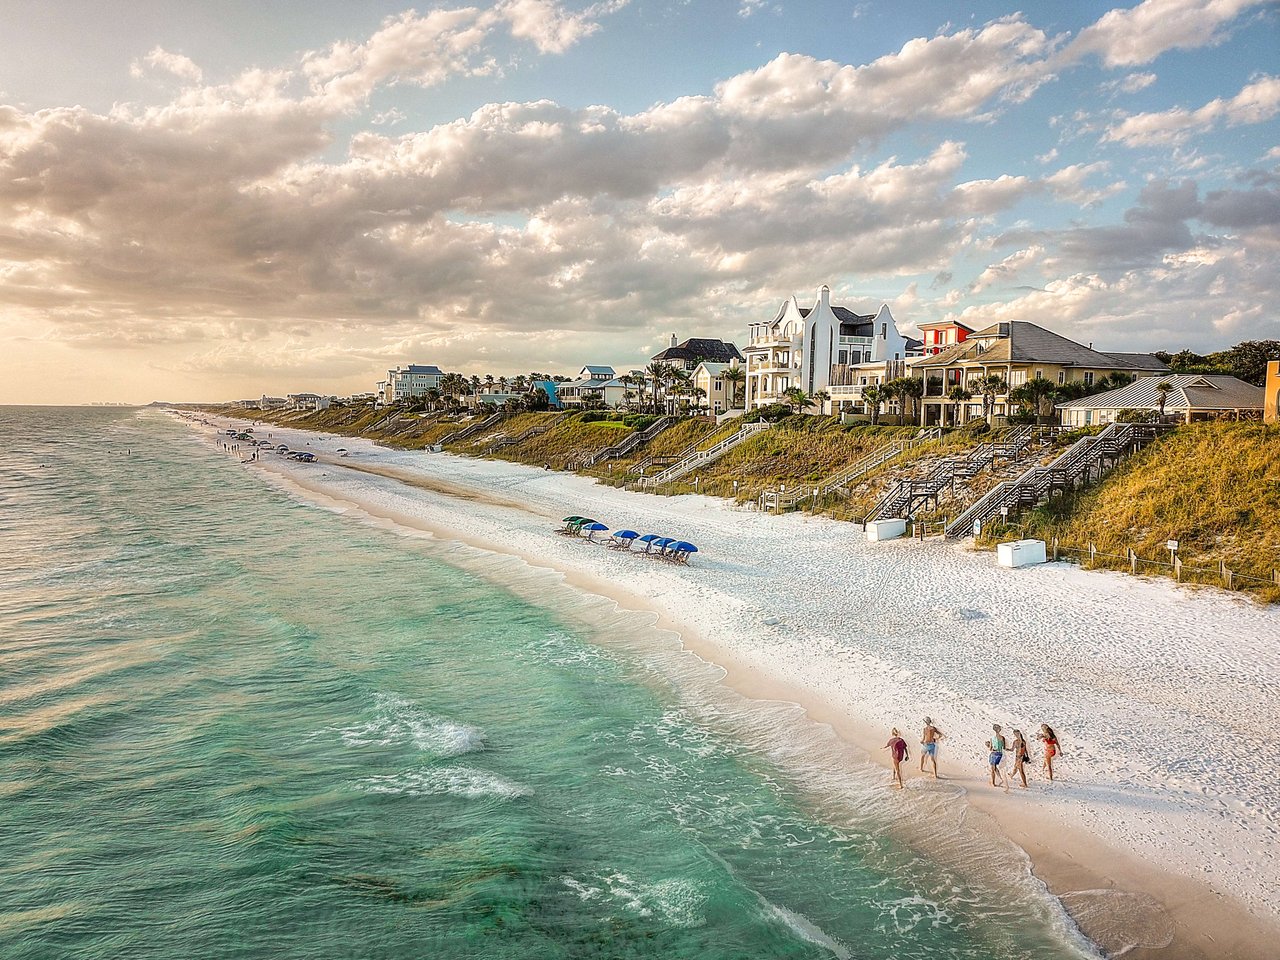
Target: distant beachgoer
[(929, 745), (995, 754), (1020, 757), (546, 466), (897, 748), (1051, 747)]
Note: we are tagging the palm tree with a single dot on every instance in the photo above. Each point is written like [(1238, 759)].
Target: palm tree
[(820, 399), (1037, 391), (911, 389), (797, 399), (736, 377), (658, 371), (990, 386), (889, 391), (873, 396), (957, 395), (1164, 388)]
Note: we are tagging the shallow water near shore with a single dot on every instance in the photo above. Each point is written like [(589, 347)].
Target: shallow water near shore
[(232, 724)]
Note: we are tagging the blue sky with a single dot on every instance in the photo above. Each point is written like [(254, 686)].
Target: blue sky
[(220, 200)]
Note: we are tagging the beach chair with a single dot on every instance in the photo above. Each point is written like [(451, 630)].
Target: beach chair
[(622, 539)]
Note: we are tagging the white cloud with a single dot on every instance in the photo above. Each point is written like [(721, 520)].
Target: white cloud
[(175, 63), (1257, 102), (1068, 184), (1008, 269), (1138, 35)]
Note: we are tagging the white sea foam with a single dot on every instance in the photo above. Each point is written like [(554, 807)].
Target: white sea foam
[(458, 781), (674, 901), (400, 721), (806, 929)]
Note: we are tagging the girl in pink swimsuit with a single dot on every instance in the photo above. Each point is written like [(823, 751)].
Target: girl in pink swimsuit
[(897, 748)]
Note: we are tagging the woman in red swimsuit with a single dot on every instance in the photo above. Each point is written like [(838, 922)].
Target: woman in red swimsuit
[(1051, 747), (897, 748)]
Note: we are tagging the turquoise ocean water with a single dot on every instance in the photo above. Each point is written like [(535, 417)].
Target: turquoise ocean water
[(236, 725)]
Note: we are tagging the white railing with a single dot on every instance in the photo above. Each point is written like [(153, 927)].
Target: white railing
[(782, 500)]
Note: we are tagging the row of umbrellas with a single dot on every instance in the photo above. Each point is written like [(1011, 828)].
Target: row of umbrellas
[(623, 539)]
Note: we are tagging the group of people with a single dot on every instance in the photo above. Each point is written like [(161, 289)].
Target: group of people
[(996, 749)]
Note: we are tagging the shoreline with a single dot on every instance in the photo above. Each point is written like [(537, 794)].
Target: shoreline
[(1194, 921)]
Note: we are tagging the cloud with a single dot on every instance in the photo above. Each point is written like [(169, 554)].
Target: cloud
[(1257, 102), (1008, 269), (175, 63), (1068, 184), (1138, 35)]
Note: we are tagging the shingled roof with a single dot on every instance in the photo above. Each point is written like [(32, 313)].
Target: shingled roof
[(698, 348), (1017, 341)]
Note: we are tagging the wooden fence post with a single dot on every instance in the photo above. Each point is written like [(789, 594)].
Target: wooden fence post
[(1055, 549), (1177, 568), (1133, 561), (1092, 550)]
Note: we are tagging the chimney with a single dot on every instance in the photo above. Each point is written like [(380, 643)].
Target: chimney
[(673, 340), (824, 295), (1090, 344)]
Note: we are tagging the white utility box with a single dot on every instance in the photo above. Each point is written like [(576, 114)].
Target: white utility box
[(886, 529), (1020, 553)]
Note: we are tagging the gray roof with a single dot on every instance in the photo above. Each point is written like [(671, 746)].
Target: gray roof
[(1017, 341), (593, 368), (430, 369), (1188, 391)]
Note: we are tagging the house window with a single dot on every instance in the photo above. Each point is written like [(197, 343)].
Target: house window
[(1088, 378), (1062, 377), (843, 357), (866, 356), (1039, 374), (1017, 378), (719, 385)]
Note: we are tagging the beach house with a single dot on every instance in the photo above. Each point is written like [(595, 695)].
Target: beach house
[(1189, 396), (718, 392), (409, 381), (823, 348), (1016, 351), (686, 356), (308, 401), (595, 384)]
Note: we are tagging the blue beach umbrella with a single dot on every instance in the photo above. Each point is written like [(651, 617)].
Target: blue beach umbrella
[(662, 543), (625, 534), (592, 528), (684, 546)]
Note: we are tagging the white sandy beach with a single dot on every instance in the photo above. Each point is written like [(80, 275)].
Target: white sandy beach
[(1166, 698)]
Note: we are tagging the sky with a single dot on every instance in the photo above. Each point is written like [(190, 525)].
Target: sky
[(215, 201)]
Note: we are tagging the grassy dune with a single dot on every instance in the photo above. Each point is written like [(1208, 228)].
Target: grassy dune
[(796, 451), (1213, 487), (567, 442)]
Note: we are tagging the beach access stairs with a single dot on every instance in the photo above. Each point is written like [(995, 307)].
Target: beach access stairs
[(906, 497), (780, 500), (1086, 459), (471, 429), (701, 458), (633, 441), (523, 435)]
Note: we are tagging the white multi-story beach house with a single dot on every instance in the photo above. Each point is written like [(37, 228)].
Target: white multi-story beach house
[(309, 401), (413, 380), (824, 348)]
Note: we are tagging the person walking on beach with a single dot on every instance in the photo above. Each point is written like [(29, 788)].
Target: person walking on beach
[(929, 745), (1020, 757), (995, 754), (1051, 747), (897, 748)]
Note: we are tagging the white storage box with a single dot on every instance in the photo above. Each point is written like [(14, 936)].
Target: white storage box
[(1020, 553), (886, 529)]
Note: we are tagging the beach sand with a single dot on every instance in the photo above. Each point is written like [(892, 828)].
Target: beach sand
[(1162, 836)]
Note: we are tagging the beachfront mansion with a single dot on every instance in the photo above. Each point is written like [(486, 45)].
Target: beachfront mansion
[(824, 348)]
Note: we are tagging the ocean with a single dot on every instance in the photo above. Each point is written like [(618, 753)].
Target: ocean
[(237, 724)]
